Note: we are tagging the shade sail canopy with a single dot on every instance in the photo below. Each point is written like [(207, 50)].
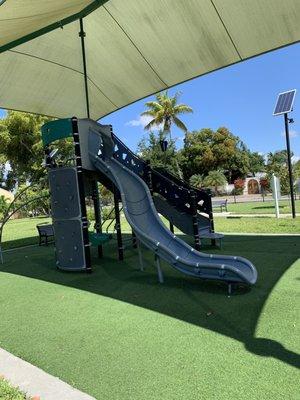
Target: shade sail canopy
[(133, 48)]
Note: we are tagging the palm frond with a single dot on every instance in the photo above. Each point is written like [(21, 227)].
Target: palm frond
[(149, 113), (179, 124), (153, 123), (182, 109)]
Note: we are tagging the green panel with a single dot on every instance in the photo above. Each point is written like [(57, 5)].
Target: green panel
[(55, 130), (99, 238)]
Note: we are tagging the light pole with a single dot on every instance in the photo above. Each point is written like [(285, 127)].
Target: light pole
[(283, 106)]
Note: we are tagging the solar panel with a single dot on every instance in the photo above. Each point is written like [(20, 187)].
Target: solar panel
[(285, 102)]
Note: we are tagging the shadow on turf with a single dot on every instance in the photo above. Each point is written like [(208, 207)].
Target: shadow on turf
[(202, 303), (267, 207)]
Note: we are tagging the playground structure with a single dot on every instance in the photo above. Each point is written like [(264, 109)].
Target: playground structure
[(46, 75), (98, 158)]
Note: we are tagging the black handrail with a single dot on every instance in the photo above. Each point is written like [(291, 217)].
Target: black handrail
[(112, 219), (174, 190), (107, 218)]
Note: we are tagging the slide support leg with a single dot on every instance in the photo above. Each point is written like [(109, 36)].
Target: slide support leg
[(139, 246), (159, 270), (134, 240)]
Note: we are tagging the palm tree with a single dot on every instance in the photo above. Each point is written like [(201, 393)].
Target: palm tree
[(197, 181), (164, 111), (215, 179)]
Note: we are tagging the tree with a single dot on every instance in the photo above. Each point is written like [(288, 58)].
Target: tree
[(256, 163), (206, 151), (278, 157), (34, 199), (197, 181), (165, 111), (297, 170), (277, 164), (2, 169), (21, 146), (149, 149), (3, 205), (215, 179), (105, 195)]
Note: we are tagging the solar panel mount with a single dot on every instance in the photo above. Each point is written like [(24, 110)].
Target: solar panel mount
[(285, 102)]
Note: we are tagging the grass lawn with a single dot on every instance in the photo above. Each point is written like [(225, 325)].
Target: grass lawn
[(22, 232), (259, 207), (257, 225), (7, 392), (118, 334)]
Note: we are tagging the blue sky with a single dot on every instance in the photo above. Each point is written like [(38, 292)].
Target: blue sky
[(240, 97)]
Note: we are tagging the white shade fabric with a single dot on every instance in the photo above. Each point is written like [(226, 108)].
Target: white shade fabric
[(133, 48)]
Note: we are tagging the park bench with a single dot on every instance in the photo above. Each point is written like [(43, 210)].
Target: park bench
[(45, 232), (220, 204)]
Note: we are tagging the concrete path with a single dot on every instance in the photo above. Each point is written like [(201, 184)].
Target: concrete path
[(35, 382), (232, 214)]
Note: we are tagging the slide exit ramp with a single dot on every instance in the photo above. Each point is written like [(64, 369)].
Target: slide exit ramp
[(141, 214)]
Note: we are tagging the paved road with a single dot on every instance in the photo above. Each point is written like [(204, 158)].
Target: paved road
[(248, 199), (231, 214)]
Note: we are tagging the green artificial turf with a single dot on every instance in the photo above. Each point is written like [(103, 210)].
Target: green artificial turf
[(118, 334), (7, 392), (260, 207)]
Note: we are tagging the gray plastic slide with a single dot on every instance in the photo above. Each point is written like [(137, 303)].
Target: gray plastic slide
[(141, 214)]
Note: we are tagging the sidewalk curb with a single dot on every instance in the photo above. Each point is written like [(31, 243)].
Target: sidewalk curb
[(36, 382)]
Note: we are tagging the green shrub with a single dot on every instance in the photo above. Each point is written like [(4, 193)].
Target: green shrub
[(7, 392), (106, 211), (237, 191)]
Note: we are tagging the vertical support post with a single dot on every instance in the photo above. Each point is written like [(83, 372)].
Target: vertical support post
[(47, 156), (286, 123), (97, 212), (159, 270), (82, 36), (84, 221), (195, 220), (139, 246), (1, 255), (171, 227), (211, 220), (118, 224)]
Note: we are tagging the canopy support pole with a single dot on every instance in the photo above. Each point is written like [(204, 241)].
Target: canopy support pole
[(82, 36)]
